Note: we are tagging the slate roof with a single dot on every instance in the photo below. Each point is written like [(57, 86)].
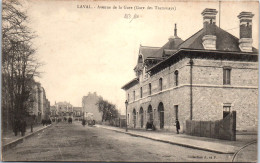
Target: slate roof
[(130, 84), (172, 44), (147, 51), (225, 41)]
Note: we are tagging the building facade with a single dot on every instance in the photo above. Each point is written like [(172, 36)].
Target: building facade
[(77, 113), (205, 77), (89, 105), (64, 110), (40, 107)]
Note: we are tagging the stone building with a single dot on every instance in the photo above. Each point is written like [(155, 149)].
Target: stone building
[(89, 105), (77, 113), (53, 111), (40, 104), (64, 109), (204, 77)]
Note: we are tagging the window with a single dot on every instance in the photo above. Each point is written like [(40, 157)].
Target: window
[(128, 118), (176, 73), (226, 109), (150, 88), (226, 75), (176, 111), (128, 97), (160, 84), (134, 95), (141, 92)]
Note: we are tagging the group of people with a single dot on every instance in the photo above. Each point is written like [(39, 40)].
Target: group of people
[(46, 122), (70, 120), (19, 126)]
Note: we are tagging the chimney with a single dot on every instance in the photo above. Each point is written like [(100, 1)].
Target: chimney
[(171, 38), (175, 30), (245, 41), (209, 27)]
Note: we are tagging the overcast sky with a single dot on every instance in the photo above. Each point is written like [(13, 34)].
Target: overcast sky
[(95, 50)]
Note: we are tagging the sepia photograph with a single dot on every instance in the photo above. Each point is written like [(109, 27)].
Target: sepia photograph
[(129, 81)]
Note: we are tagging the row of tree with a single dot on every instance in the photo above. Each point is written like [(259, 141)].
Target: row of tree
[(19, 62), (108, 110)]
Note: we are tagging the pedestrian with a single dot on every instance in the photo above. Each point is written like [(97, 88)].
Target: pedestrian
[(84, 122), (16, 126), (43, 122), (23, 127), (177, 126)]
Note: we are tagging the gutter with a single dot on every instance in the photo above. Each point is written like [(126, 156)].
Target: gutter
[(191, 94)]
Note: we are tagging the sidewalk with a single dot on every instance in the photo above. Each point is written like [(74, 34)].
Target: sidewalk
[(10, 140), (202, 143)]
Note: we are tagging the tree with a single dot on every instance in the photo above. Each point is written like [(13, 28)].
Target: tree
[(19, 63), (107, 109)]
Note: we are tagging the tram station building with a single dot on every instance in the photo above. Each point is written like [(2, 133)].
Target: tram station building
[(204, 77)]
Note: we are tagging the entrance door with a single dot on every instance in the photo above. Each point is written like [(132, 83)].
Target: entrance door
[(150, 114), (161, 115)]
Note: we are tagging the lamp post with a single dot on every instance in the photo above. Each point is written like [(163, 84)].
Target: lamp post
[(126, 104)]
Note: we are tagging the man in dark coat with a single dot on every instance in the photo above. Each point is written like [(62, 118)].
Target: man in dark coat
[(177, 126), (16, 126), (23, 127), (84, 122)]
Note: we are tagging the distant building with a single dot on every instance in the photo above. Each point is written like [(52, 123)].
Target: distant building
[(204, 77), (77, 113), (64, 109), (89, 106), (40, 107), (54, 111)]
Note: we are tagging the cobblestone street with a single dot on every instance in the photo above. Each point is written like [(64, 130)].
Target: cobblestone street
[(73, 142)]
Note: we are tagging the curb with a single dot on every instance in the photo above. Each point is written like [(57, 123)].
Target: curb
[(170, 142), (21, 140)]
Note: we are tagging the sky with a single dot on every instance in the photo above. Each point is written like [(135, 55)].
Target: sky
[(95, 50)]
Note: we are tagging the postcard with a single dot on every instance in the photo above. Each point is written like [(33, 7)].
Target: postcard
[(129, 81)]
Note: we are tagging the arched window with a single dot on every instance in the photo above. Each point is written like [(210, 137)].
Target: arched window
[(141, 92), (134, 95), (176, 77), (160, 84)]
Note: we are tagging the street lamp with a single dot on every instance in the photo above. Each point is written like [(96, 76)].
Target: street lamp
[(126, 104)]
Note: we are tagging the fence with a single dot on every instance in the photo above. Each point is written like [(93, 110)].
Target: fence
[(221, 129), (117, 122)]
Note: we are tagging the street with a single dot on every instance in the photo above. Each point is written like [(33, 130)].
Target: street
[(73, 142)]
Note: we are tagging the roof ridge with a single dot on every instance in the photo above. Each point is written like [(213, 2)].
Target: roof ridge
[(149, 46)]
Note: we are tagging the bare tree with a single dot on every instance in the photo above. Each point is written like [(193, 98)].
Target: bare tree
[(19, 63)]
